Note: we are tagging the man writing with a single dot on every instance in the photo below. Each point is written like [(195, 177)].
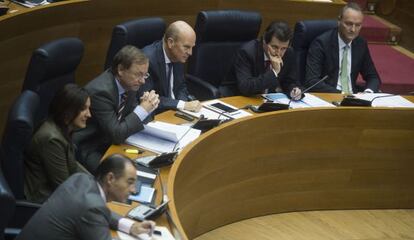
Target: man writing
[(342, 54), (167, 58), (77, 209), (268, 65)]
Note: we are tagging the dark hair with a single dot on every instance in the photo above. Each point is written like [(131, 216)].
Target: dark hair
[(349, 5), (126, 57), (278, 29), (115, 163), (66, 105)]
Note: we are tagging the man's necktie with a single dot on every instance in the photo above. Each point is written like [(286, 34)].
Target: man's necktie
[(124, 97), (169, 72), (267, 65), (344, 71)]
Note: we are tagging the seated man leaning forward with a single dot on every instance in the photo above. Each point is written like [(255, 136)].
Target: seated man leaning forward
[(77, 209), (116, 113), (268, 64), (167, 58), (341, 54)]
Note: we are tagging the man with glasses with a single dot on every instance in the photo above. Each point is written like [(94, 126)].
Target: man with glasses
[(116, 113), (268, 64), (166, 68), (342, 54)]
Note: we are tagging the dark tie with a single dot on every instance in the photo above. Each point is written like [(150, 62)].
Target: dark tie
[(124, 97), (169, 72), (267, 65)]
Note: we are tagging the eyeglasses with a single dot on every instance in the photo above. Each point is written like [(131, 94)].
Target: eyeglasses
[(143, 76), (140, 75)]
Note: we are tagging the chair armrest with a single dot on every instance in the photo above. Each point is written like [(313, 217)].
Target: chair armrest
[(202, 90), (23, 212)]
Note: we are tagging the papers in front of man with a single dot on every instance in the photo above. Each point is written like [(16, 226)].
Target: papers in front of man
[(385, 100), (160, 233), (162, 137), (216, 109), (308, 101), (144, 186)]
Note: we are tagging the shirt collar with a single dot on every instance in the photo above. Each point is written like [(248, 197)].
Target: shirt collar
[(121, 90), (167, 60), (265, 56), (342, 44), (101, 191)]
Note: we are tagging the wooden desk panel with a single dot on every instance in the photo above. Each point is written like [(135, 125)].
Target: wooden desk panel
[(313, 159)]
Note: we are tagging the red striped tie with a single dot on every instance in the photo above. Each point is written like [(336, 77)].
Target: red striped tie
[(124, 97)]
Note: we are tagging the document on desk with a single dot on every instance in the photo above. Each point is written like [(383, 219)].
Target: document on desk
[(145, 195), (385, 100), (160, 233), (216, 109), (308, 101), (162, 137)]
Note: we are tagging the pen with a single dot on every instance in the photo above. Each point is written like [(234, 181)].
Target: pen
[(133, 151)]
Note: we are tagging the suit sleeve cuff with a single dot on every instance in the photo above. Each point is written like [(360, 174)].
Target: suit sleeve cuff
[(368, 91), (125, 224), (140, 112), (181, 105)]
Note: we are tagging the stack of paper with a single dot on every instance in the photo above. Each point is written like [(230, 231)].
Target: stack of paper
[(159, 233), (163, 137), (308, 101), (216, 109), (385, 100)]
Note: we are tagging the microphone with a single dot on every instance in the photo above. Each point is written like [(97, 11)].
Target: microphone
[(309, 88), (271, 106), (186, 132), (351, 100)]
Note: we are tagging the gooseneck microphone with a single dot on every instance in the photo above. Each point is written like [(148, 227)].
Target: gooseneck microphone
[(271, 106), (185, 133), (357, 102), (309, 88)]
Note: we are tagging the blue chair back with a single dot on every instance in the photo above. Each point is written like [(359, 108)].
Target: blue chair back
[(138, 32), (305, 32), (51, 67), (219, 35), (16, 138)]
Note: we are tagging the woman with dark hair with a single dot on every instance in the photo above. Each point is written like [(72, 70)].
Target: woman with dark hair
[(52, 154)]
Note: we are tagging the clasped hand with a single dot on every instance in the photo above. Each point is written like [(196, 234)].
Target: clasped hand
[(150, 101)]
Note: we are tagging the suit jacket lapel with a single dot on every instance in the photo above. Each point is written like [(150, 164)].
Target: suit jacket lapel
[(161, 65), (260, 67), (334, 57)]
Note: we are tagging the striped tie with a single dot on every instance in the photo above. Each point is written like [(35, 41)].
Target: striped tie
[(124, 97)]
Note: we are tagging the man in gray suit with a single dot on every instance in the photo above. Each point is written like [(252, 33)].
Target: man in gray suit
[(115, 111), (77, 209)]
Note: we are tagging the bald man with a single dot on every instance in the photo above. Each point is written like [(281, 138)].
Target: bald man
[(166, 68)]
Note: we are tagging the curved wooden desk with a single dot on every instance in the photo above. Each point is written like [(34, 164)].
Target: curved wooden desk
[(310, 159)]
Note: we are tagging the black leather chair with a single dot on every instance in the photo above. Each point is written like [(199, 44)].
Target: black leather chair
[(51, 67), (138, 32), (219, 35), (16, 138), (7, 205), (305, 32)]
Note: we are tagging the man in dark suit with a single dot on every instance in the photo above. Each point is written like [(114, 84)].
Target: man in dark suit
[(77, 209), (167, 58), (268, 64), (326, 57), (115, 111)]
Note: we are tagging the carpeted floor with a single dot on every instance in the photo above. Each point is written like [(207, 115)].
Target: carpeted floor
[(396, 70)]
